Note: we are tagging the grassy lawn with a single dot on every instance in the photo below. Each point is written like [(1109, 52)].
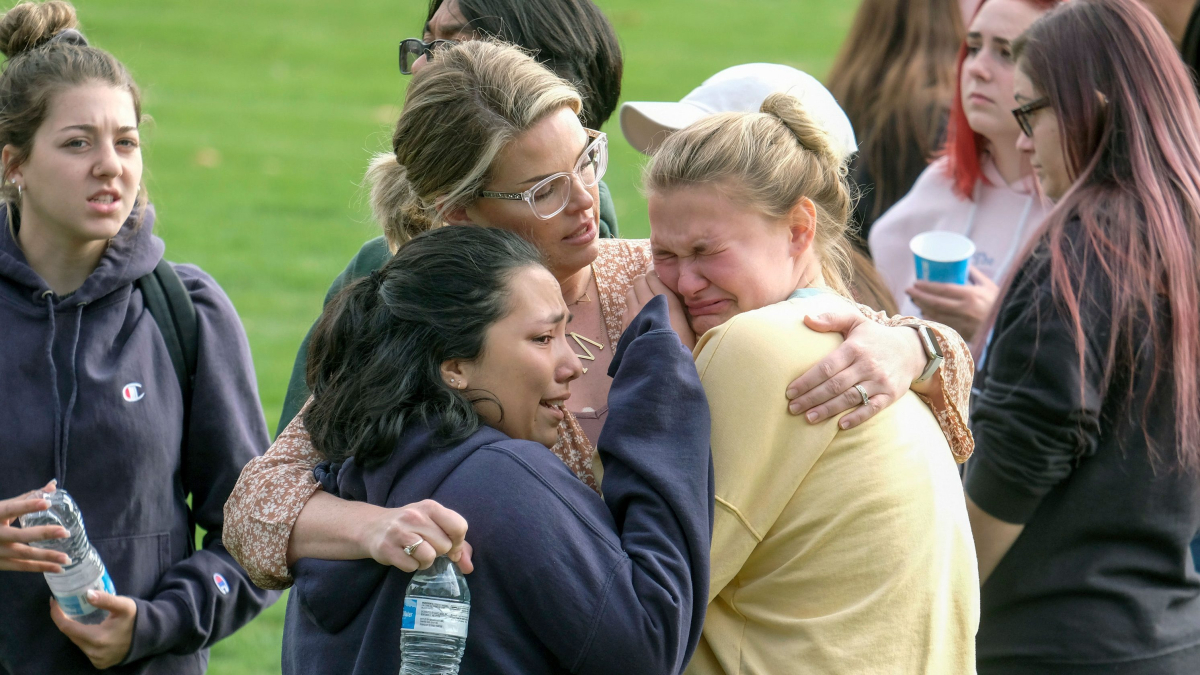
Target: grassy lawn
[(266, 112)]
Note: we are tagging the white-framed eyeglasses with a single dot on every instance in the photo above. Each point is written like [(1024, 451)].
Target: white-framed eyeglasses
[(550, 195)]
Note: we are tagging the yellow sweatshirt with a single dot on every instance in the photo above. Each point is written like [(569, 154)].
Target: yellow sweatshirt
[(833, 551)]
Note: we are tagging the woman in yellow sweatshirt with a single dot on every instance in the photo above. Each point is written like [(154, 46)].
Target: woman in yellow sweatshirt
[(834, 550)]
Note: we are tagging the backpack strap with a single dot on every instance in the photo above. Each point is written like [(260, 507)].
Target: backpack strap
[(173, 311), (168, 302)]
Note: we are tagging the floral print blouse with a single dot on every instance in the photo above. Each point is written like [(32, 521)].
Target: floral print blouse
[(274, 488)]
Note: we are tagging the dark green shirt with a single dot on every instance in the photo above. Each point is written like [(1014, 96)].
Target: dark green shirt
[(372, 256)]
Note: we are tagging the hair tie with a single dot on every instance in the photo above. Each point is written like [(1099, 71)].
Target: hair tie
[(377, 277), (69, 36)]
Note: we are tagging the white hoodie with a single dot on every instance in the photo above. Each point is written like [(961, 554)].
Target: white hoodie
[(1001, 220)]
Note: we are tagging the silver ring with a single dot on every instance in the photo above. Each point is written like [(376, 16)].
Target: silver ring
[(408, 550), (863, 393)]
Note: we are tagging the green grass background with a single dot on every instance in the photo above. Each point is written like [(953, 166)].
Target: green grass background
[(265, 113)]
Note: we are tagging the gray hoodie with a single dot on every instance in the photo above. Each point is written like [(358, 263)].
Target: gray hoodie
[(91, 398)]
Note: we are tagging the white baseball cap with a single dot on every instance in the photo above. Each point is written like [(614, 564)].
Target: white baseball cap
[(646, 124)]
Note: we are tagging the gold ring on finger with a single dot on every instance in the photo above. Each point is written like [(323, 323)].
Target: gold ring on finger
[(408, 550)]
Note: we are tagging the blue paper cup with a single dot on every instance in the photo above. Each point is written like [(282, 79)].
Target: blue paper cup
[(944, 257)]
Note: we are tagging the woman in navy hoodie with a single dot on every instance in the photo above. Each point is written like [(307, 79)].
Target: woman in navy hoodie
[(89, 388), (449, 367)]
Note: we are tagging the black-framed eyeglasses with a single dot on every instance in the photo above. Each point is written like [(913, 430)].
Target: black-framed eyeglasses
[(1026, 111), (414, 48), (550, 195)]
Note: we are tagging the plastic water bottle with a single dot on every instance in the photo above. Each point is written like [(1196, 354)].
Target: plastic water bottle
[(433, 631), (84, 572)]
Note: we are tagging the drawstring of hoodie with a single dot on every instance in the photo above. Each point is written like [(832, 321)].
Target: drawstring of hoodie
[(48, 296), (62, 420), (66, 423)]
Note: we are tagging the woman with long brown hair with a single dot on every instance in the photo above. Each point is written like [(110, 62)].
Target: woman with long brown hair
[(894, 78), (1083, 492)]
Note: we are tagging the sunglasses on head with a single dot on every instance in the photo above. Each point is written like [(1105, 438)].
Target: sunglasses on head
[(414, 48)]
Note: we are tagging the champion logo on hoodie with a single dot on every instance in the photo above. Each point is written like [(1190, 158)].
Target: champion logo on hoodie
[(133, 392)]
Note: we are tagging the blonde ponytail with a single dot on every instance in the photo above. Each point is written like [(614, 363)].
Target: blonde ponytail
[(396, 207), (770, 160), (811, 136)]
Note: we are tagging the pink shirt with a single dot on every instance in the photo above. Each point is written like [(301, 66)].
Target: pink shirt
[(1001, 220)]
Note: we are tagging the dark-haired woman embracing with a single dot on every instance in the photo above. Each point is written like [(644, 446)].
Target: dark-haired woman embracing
[(449, 367)]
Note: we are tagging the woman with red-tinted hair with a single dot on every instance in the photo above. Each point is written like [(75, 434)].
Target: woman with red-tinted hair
[(981, 187), (1083, 491)]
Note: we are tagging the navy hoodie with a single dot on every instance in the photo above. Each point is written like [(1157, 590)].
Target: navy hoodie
[(91, 398), (564, 581)]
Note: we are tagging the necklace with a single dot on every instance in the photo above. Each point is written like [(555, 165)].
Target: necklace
[(587, 354), (585, 297)]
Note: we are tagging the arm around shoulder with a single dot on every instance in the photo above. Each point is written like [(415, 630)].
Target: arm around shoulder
[(265, 504), (948, 391)]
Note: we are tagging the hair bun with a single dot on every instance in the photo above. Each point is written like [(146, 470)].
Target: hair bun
[(30, 25), (811, 135)]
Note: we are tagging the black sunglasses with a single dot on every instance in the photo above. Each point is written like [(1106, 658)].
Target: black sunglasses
[(1026, 111), (414, 48)]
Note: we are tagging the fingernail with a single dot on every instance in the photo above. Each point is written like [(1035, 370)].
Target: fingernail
[(791, 393), (793, 408), (845, 424), (91, 595), (812, 416)]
